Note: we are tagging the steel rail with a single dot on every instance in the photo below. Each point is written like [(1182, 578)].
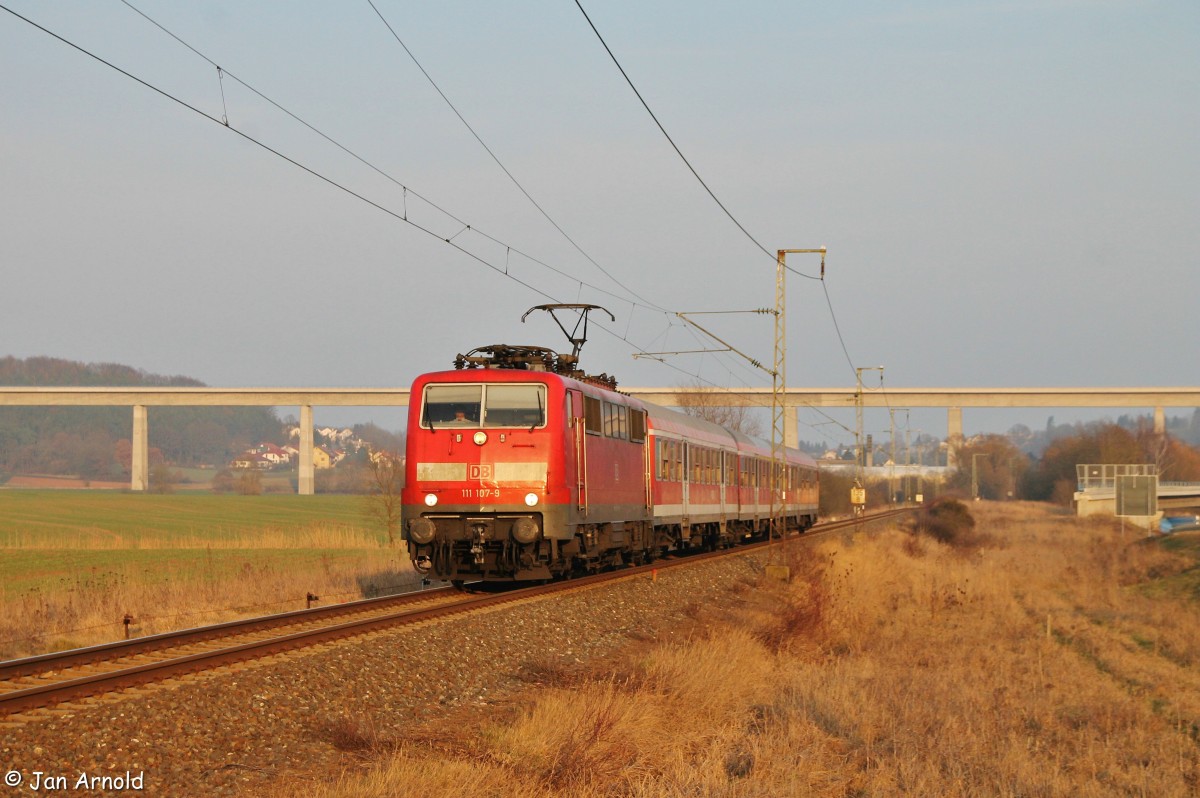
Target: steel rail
[(118, 649)]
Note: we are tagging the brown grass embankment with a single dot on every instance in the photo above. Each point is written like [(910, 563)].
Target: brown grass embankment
[(67, 598), (1026, 663)]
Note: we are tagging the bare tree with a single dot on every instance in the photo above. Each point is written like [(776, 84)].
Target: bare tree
[(712, 404), (387, 480)]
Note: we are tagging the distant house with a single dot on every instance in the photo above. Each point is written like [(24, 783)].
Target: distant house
[(386, 458), (323, 458), (248, 460), (275, 454)]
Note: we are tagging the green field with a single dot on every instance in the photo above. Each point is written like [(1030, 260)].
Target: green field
[(95, 539), (40, 517)]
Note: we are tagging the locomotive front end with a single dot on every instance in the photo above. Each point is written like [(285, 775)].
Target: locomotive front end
[(484, 495)]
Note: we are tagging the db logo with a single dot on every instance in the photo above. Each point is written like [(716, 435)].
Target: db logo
[(479, 472)]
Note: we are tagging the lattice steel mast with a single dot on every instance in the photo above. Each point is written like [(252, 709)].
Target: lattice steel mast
[(779, 389)]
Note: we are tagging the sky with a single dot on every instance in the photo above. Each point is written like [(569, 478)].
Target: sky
[(1007, 191)]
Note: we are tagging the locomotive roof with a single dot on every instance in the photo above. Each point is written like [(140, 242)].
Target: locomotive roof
[(522, 375)]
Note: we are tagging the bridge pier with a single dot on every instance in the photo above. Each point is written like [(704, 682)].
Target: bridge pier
[(1160, 422), (140, 465), (307, 483), (954, 434)]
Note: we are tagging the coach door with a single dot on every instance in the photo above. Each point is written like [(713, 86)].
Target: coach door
[(686, 481), (723, 463)]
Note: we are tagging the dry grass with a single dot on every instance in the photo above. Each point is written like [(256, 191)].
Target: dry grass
[(176, 592), (1030, 665)]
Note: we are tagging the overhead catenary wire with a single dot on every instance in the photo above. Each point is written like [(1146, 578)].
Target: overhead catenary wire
[(496, 158), (274, 151), (405, 188), (315, 173), (772, 255), (402, 216), (674, 146)]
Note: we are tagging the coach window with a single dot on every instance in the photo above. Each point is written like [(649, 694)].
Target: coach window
[(451, 406), (515, 405)]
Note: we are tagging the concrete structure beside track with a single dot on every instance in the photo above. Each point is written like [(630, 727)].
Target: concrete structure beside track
[(953, 399)]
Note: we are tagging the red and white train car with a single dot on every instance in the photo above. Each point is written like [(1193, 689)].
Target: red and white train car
[(515, 472)]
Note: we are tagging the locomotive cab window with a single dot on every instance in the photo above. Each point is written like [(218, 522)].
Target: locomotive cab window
[(515, 405), (509, 405), (452, 406)]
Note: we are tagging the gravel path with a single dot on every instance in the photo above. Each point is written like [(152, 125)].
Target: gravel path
[(232, 732)]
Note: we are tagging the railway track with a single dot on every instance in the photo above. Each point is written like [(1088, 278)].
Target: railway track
[(51, 679)]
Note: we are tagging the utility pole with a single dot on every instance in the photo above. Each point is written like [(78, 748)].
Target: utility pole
[(907, 460), (892, 458), (975, 475), (779, 388), (858, 494)]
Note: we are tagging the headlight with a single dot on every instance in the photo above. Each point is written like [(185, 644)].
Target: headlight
[(421, 530), (430, 499), (531, 499), (480, 438), (524, 530)]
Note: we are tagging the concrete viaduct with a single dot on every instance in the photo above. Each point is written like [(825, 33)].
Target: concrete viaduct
[(953, 399)]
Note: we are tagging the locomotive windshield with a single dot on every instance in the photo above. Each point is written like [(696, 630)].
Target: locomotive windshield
[(506, 405)]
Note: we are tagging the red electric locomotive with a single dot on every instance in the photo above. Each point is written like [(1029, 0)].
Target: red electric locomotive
[(519, 467)]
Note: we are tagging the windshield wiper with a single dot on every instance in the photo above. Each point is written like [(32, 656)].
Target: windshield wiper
[(537, 420)]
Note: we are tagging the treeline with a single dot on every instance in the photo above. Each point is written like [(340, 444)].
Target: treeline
[(94, 442), (1185, 429), (995, 467)]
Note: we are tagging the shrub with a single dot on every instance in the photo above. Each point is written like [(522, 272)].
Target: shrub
[(249, 484), (223, 481), (946, 520)]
